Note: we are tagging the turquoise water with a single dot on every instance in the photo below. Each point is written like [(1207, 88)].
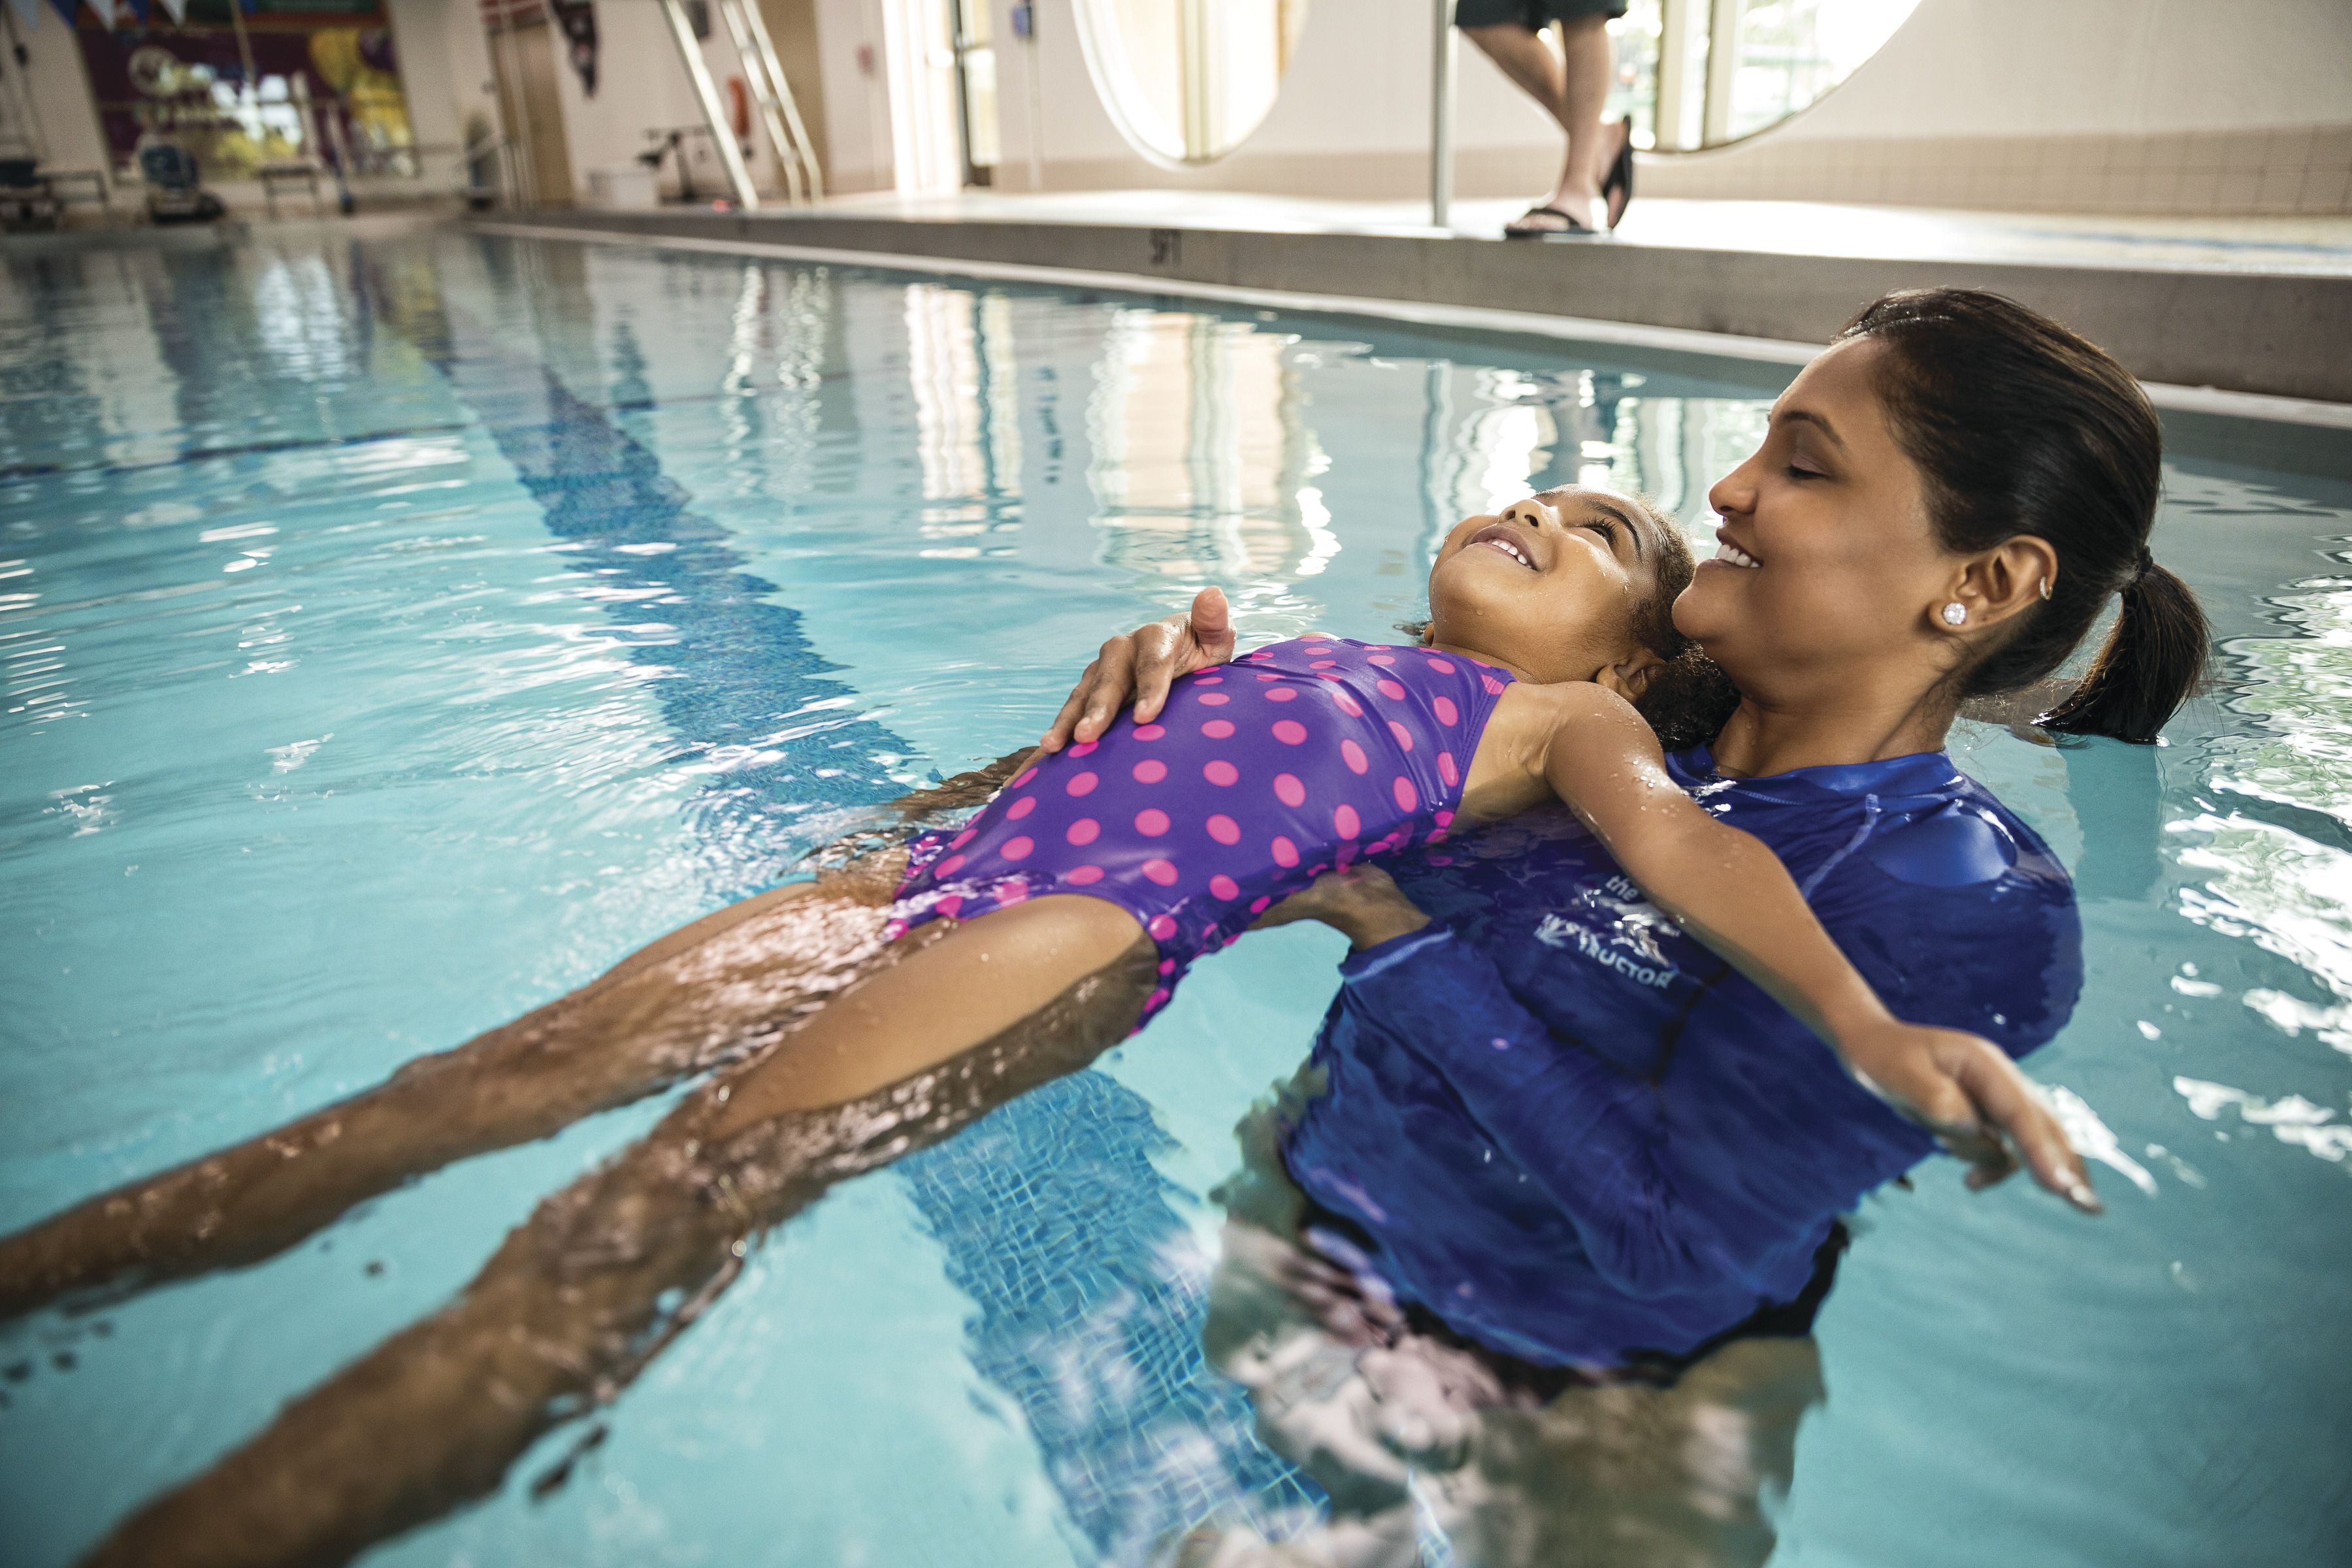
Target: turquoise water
[(395, 634)]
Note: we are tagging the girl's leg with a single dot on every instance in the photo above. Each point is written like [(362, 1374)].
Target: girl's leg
[(709, 993), (569, 1309)]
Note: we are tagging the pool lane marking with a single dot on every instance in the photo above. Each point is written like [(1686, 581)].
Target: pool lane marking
[(2259, 405), (1085, 1263)]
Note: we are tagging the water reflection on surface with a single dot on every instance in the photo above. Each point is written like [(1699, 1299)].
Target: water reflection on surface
[(869, 527)]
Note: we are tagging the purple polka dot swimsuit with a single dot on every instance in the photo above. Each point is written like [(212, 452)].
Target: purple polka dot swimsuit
[(1255, 779)]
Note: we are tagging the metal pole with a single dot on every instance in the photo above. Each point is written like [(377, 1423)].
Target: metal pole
[(730, 157), (755, 75), (1440, 118), (804, 147)]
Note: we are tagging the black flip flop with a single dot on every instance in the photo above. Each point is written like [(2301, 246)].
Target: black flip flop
[(1621, 178), (1577, 228)]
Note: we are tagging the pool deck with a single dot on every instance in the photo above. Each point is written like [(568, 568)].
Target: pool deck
[(2247, 306)]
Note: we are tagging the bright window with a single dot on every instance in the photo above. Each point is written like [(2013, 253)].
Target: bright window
[(1187, 80)]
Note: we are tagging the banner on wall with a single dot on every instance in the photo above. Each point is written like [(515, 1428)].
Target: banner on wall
[(578, 20), (325, 85)]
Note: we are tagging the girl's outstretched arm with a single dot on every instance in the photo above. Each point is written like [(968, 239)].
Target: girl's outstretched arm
[(1727, 890)]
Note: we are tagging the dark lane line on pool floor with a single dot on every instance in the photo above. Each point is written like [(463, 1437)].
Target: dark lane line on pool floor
[(1052, 1217)]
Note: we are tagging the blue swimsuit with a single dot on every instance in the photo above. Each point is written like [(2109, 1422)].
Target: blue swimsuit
[(1255, 779), (1574, 1134)]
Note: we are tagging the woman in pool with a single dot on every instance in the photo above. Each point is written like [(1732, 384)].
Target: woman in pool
[(1906, 530)]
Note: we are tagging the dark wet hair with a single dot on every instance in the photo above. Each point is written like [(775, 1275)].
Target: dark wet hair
[(1689, 699), (2020, 426)]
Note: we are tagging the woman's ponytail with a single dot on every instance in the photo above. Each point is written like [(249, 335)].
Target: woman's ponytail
[(2152, 661), (2019, 427)]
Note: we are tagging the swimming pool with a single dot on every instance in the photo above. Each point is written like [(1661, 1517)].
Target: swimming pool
[(396, 632)]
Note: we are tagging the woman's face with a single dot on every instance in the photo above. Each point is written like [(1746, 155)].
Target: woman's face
[(1829, 570), (1554, 587)]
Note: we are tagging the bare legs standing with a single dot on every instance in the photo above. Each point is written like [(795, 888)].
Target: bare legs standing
[(1573, 88)]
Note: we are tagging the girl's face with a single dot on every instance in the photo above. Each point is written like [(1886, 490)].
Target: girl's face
[(1830, 571), (1555, 586)]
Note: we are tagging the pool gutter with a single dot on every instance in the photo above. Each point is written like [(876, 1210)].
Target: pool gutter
[(2269, 347)]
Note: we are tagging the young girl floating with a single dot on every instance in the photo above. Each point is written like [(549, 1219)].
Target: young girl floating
[(1013, 951)]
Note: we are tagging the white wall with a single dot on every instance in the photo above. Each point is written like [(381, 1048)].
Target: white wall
[(2155, 106), (2033, 67), (2124, 105), (63, 110), (444, 69)]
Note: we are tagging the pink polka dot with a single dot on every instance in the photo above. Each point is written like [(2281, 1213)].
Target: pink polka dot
[(1391, 690), (1081, 784), (1285, 853), (1032, 773), (1151, 770), (951, 906), (1218, 729), (1447, 712), (966, 836), (1208, 681), (1407, 797), (1085, 830), (1443, 667), (1440, 859), (1083, 876), (1163, 873), (1289, 732), (1022, 807), (1084, 747), (1439, 838), (1224, 887), (1224, 829), (1493, 687), (1353, 756), (1151, 823), (1267, 675), (1383, 661), (1283, 694), (1347, 705), (1167, 966), (949, 867), (1322, 663), (1288, 790), (1259, 906), (1444, 819), (1221, 772), (1403, 736), (1156, 1000), (1214, 700), (1448, 770), (1148, 732), (894, 931), (1010, 894), (1346, 821), (1018, 849)]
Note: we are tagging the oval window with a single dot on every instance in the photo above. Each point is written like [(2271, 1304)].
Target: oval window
[(1733, 67), (1187, 80)]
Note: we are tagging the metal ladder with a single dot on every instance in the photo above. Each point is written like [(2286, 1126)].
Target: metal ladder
[(764, 74)]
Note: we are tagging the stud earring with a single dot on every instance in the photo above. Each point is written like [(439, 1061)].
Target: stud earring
[(1954, 613)]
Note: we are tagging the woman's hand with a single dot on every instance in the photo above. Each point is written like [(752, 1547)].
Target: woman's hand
[(1139, 665), (1962, 1089), (1362, 903)]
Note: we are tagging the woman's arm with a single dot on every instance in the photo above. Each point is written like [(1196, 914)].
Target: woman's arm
[(1728, 890)]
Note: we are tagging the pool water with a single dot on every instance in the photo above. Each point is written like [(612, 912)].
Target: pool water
[(396, 632)]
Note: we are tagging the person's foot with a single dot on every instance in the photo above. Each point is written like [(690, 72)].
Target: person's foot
[(1560, 219), (1617, 182)]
